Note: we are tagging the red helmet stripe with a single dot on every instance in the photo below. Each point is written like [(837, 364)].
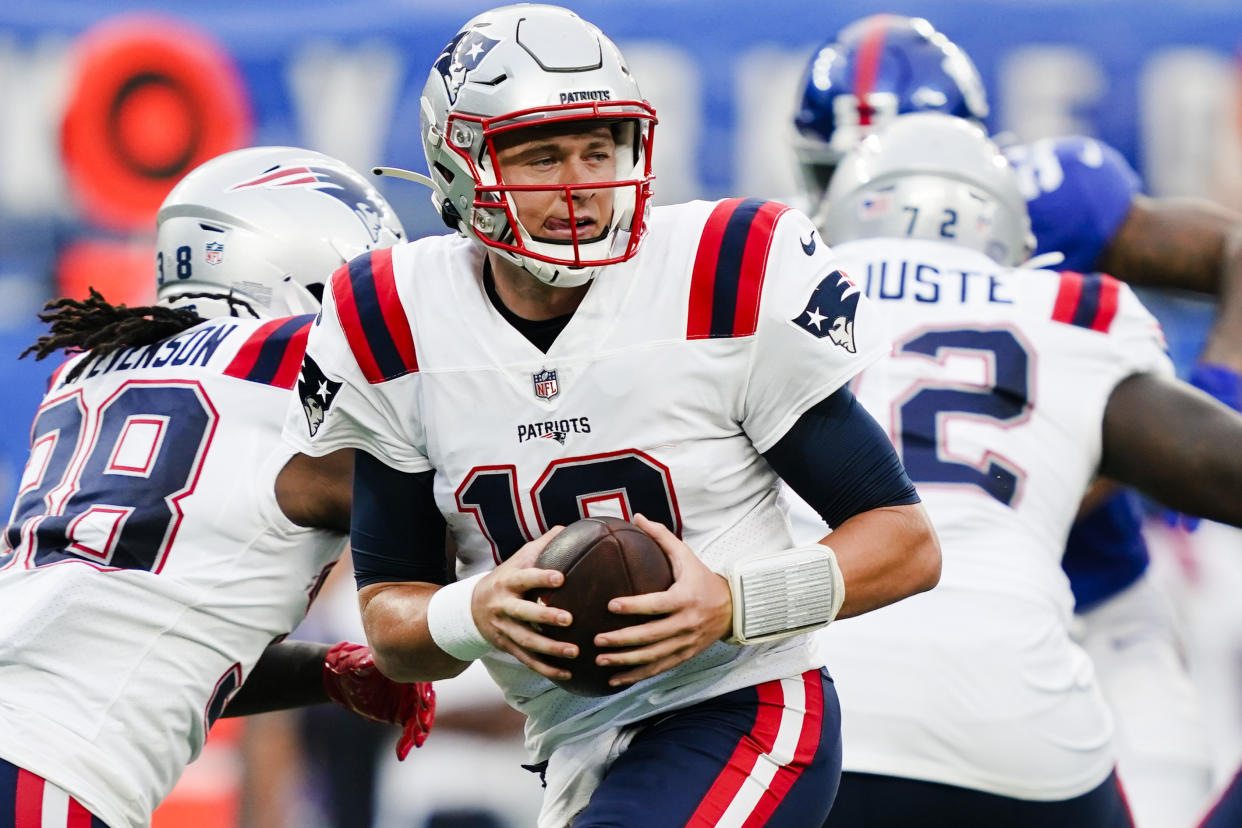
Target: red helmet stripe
[(868, 66)]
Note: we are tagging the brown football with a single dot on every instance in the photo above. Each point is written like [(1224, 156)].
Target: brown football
[(602, 558)]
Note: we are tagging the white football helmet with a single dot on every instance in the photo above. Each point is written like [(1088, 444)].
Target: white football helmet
[(267, 225), (519, 66), (928, 175)]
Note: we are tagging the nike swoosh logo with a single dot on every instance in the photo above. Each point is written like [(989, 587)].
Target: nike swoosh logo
[(808, 247)]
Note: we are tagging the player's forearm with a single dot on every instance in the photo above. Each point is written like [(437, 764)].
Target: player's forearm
[(1224, 342), (1175, 444), (394, 616), (288, 674), (885, 555)]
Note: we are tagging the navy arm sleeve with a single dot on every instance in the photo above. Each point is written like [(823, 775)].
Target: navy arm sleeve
[(839, 460), (396, 530)]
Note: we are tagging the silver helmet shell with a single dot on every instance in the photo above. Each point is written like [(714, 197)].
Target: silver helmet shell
[(928, 175), (267, 225), (526, 65)]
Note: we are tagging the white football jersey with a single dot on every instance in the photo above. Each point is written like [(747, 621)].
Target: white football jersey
[(146, 563), (994, 396), (677, 370)]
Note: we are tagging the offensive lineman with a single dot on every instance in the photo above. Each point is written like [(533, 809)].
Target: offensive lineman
[(691, 372), (1086, 210), (158, 543), (1008, 391)]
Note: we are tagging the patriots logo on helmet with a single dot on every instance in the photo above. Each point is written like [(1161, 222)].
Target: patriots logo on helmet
[(316, 392), (830, 311), (327, 181), (462, 54)]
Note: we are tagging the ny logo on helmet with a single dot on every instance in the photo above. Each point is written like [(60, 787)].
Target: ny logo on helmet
[(830, 311), (460, 56)]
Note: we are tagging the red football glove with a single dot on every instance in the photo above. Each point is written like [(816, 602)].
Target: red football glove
[(355, 683)]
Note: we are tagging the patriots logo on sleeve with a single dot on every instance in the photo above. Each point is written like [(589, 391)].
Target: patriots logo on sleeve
[(316, 392), (830, 311), (462, 54)]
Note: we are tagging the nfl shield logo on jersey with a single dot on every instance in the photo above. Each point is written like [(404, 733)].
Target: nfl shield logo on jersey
[(546, 386), (215, 253)]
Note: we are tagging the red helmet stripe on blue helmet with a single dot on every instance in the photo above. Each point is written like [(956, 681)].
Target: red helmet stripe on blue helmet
[(868, 66)]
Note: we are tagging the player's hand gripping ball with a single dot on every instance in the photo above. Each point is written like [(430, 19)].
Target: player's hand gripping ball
[(602, 558)]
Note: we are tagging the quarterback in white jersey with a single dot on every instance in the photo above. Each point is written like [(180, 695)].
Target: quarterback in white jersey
[(1008, 390), (543, 366), (148, 560)]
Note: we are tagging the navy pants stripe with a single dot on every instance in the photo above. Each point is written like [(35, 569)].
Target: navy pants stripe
[(764, 755), (24, 797), (871, 801)]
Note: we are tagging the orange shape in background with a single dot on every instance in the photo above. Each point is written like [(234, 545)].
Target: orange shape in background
[(123, 271), (151, 98)]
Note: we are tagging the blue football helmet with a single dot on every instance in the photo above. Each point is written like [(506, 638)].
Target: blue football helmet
[(878, 67)]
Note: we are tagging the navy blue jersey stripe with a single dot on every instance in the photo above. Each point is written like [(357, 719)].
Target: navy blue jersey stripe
[(1088, 302), (371, 318), (274, 349), (729, 266)]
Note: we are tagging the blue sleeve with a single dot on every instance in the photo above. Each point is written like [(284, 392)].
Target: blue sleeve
[(396, 530), (1078, 192), (839, 460)]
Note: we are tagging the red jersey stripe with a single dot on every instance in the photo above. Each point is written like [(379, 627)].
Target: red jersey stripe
[(395, 318), (247, 355), (347, 311), (1110, 298), (1067, 297), (703, 280), (754, 267), (291, 364)]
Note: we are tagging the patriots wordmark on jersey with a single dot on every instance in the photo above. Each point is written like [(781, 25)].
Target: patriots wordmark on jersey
[(677, 370), (994, 394), (133, 612)]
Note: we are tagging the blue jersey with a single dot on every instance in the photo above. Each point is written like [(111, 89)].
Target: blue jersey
[(1078, 191)]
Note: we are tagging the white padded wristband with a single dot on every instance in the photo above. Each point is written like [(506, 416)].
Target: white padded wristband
[(451, 623), (785, 593)]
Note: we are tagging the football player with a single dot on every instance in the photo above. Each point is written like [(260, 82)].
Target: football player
[(658, 364), (162, 536), (1086, 212), (1009, 390)]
